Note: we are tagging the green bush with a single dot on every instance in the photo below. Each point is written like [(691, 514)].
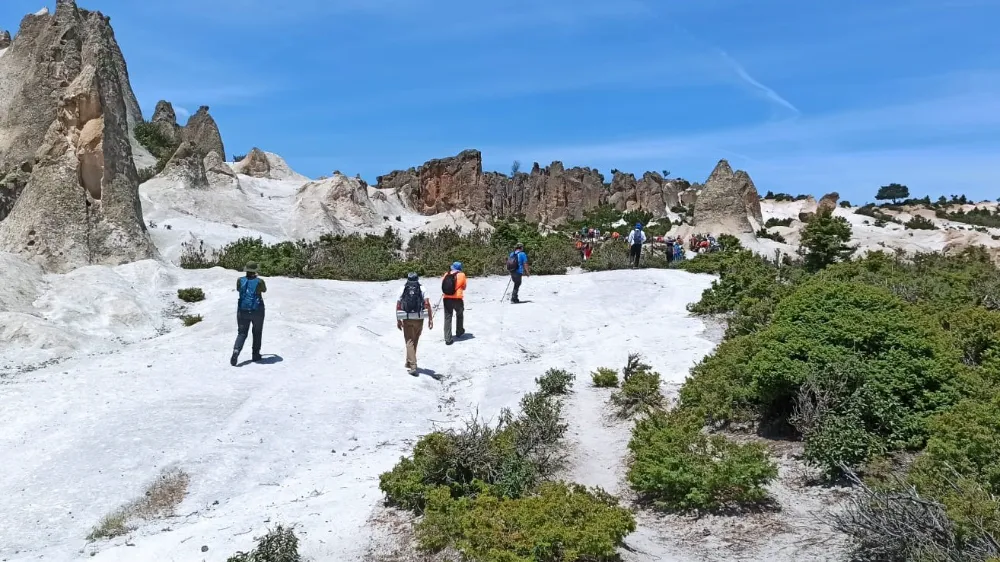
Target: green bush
[(678, 467), (743, 275), (920, 223), (555, 381), (153, 140), (192, 294), (773, 222), (278, 545), (860, 354), (605, 378), (764, 233), (191, 319), (508, 459), (639, 393), (824, 241), (562, 523)]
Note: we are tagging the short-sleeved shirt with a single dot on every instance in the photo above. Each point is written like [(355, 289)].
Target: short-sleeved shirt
[(401, 315), (522, 258)]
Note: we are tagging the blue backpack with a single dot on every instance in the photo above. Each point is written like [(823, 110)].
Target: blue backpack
[(249, 299)]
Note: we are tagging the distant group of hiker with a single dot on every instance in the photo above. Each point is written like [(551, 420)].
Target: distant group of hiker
[(412, 308)]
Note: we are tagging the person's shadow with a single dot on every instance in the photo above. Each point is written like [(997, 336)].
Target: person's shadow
[(430, 373), (269, 359)]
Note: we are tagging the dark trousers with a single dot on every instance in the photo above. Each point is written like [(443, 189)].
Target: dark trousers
[(634, 254), (516, 278), (244, 318), (456, 308)]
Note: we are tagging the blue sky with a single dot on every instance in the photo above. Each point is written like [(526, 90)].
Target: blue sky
[(808, 97)]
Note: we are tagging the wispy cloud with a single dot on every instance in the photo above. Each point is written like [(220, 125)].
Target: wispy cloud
[(182, 113), (754, 83)]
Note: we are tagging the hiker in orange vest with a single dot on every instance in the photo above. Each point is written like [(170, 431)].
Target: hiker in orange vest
[(453, 291)]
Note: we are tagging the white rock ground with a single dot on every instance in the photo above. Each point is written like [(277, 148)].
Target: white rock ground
[(101, 388), (303, 439)]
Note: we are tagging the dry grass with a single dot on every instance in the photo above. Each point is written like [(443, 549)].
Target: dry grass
[(160, 499)]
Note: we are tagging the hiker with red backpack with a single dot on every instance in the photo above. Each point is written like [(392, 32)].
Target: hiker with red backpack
[(453, 293), (249, 310), (411, 309), (517, 265)]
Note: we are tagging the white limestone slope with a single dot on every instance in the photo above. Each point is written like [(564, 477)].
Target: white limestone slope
[(285, 206), (302, 439)]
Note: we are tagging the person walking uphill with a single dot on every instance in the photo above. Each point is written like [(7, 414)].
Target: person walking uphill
[(517, 265), (411, 309), (249, 310), (636, 239), (453, 292)]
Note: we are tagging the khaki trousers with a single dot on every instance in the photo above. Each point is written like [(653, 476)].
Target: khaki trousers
[(411, 332)]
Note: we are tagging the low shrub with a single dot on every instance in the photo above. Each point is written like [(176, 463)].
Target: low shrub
[(563, 522), (845, 204), (277, 545), (894, 521), (920, 223), (191, 294), (507, 459), (555, 381), (639, 393), (605, 378), (191, 319), (239, 157), (878, 369), (773, 222), (764, 233), (678, 467)]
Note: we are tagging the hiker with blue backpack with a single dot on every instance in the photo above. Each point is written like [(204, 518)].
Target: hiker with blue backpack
[(636, 239), (517, 265), (249, 311)]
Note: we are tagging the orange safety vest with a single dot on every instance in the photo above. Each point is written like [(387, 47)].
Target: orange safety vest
[(459, 285)]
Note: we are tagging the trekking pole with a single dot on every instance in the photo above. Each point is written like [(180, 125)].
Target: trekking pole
[(509, 281)]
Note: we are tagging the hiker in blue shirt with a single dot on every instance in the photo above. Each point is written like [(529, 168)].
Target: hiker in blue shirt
[(249, 310), (517, 265)]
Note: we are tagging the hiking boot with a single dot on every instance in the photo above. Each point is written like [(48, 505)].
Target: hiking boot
[(256, 358), (449, 342), (514, 300), (234, 358), (413, 371)]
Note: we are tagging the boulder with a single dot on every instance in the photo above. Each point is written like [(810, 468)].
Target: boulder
[(724, 204), (80, 204), (203, 133), (187, 167), (218, 173), (828, 203), (4, 39), (165, 120), (333, 205), (254, 164)]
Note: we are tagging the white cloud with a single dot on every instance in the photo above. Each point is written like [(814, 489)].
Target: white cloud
[(768, 93)]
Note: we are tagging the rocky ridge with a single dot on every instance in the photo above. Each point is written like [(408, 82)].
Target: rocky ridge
[(551, 195)]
